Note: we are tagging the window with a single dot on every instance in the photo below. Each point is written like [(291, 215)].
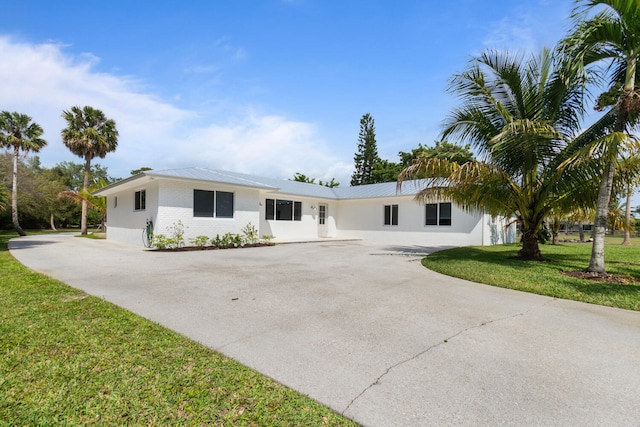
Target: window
[(391, 215), (140, 202), (445, 214), (432, 214), (205, 203), (438, 214), (270, 209), (115, 202), (283, 210), (224, 204)]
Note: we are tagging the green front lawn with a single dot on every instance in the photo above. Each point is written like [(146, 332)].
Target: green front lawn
[(494, 265), (71, 359)]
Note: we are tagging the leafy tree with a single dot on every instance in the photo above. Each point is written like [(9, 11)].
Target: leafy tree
[(299, 177), (521, 117), (331, 184), (611, 33), (88, 134), (142, 169), (36, 192), (96, 203), (385, 171), (367, 155), (445, 150), (19, 133), (72, 174), (626, 180)]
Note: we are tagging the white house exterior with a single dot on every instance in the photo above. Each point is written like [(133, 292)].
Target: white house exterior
[(210, 202)]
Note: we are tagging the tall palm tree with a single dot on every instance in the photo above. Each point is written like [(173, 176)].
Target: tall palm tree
[(17, 132), (521, 117), (88, 134), (611, 34)]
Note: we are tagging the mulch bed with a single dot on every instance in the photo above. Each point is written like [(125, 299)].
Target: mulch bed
[(211, 248), (620, 279)]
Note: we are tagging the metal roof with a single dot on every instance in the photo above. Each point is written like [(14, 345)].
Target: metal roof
[(386, 189)]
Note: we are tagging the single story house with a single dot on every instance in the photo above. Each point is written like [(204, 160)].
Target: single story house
[(210, 202)]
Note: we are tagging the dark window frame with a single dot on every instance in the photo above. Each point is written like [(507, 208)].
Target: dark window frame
[(203, 203), (431, 214), (222, 208), (438, 214), (391, 215), (209, 204), (283, 210), (444, 219), (140, 200)]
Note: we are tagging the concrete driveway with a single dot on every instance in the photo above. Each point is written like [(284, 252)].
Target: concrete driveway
[(366, 330)]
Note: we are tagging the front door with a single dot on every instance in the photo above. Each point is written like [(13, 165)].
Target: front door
[(323, 228)]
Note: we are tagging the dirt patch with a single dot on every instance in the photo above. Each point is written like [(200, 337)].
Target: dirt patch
[(620, 279)]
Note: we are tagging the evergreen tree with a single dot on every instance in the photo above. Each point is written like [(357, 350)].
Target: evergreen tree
[(367, 155)]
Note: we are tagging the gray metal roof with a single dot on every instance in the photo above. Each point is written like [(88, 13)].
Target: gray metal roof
[(386, 189)]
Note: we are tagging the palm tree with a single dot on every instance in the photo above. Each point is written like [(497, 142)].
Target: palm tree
[(627, 180), (17, 132), (612, 34), (521, 117), (88, 134), (97, 203)]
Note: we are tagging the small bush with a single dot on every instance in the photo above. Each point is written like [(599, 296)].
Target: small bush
[(250, 233), (161, 241), (199, 241)]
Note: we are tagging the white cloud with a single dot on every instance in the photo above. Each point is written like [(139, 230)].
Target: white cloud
[(43, 79), (530, 28)]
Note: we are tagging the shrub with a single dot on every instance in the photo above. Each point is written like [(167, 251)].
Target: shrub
[(199, 241), (161, 241), (250, 233)]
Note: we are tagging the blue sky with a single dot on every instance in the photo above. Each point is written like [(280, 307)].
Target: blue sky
[(270, 87)]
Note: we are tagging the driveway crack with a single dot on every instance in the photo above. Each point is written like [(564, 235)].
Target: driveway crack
[(444, 341)]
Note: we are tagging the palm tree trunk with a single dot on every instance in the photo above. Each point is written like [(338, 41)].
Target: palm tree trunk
[(596, 264), (14, 194), (530, 249), (581, 231), (85, 185), (52, 223), (627, 218)]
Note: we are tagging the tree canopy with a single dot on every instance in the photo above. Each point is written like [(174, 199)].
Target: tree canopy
[(88, 134), (367, 154), (521, 115)]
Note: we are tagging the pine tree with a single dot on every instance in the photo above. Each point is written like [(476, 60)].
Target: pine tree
[(367, 155)]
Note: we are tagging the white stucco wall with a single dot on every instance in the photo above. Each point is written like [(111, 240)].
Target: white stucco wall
[(124, 223), (169, 201), (307, 228), (498, 230), (176, 204), (364, 219)]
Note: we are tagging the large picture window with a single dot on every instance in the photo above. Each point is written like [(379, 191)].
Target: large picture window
[(283, 210), (206, 203), (438, 214), (140, 200), (391, 215)]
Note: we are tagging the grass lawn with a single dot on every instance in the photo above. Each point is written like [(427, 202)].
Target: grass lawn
[(71, 359), (494, 265)]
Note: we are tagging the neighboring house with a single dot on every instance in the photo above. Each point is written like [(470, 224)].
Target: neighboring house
[(210, 202)]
